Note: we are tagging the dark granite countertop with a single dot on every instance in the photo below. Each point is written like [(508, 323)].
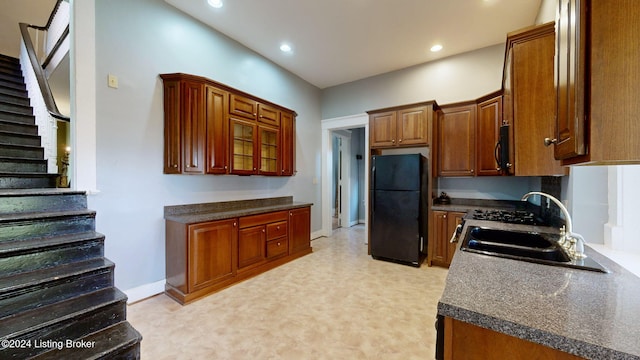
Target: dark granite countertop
[(196, 213), (589, 314)]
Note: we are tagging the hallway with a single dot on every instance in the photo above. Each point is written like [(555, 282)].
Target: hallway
[(346, 306)]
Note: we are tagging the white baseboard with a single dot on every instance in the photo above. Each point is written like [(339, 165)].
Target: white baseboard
[(145, 291), (316, 234)]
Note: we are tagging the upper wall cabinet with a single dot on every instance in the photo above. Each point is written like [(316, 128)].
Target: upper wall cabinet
[(597, 82), (489, 120), (404, 126), (211, 128), (529, 106), (456, 140)]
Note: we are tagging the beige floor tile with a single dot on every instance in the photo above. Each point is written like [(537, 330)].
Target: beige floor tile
[(336, 303)]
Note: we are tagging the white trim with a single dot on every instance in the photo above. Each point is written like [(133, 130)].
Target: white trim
[(316, 234), (345, 195), (145, 291), (328, 125), (82, 69)]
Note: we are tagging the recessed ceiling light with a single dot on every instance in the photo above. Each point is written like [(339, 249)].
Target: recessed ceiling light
[(286, 48), (215, 3), (436, 48)]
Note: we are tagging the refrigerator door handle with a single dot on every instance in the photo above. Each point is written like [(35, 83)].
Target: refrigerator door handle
[(373, 186)]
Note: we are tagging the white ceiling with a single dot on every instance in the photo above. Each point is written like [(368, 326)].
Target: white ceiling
[(339, 41)]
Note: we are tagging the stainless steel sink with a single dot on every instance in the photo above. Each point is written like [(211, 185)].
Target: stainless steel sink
[(529, 246)]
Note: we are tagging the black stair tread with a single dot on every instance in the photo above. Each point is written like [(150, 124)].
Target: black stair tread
[(15, 133), (14, 99), (20, 146), (9, 58), (43, 191), (6, 218), (106, 343), (16, 79), (31, 244), (12, 111), (18, 108), (22, 159), (41, 276), (12, 122), (27, 174), (32, 320)]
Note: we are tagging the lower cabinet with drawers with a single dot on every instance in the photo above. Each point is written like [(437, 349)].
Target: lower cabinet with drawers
[(205, 257)]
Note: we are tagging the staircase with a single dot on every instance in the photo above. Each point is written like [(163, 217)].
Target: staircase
[(57, 298)]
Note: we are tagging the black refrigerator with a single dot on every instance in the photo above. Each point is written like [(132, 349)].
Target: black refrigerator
[(398, 205)]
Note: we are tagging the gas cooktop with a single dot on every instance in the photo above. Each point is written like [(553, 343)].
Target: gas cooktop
[(508, 216)]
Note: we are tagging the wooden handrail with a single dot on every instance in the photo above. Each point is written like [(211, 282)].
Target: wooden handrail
[(55, 47), (52, 108)]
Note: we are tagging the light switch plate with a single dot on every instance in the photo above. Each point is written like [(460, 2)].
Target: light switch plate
[(112, 81)]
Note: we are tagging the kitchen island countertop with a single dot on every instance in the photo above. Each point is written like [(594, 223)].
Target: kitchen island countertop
[(585, 313)]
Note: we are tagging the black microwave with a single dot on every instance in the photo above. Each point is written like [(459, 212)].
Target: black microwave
[(502, 150)]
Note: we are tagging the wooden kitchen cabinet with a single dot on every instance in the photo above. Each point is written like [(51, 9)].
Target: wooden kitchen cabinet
[(269, 150), (288, 151), (185, 127), (528, 81), (456, 153), (204, 257), (489, 120), (211, 249), (441, 250), (200, 257), (257, 235), (211, 128), (299, 230), (597, 82), (244, 142), (251, 246), (404, 126), (462, 340), (217, 130)]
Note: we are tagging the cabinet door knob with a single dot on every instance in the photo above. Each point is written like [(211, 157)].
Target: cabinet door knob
[(278, 244), (393, 140), (263, 230), (175, 166), (549, 141), (234, 224), (472, 171), (278, 227), (400, 140)]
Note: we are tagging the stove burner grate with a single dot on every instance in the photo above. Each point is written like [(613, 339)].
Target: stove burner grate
[(508, 216)]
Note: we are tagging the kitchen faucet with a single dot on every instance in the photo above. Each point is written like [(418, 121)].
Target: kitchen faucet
[(573, 243)]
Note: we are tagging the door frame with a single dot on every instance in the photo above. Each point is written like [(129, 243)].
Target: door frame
[(327, 126), (344, 163)]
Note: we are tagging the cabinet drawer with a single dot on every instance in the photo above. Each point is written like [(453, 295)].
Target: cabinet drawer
[(261, 219), (276, 230), (277, 247)]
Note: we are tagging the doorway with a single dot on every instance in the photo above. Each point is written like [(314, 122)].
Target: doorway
[(344, 175)]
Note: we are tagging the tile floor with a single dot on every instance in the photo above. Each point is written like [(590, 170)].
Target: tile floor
[(336, 303)]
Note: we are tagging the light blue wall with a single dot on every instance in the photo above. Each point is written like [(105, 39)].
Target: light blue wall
[(136, 41), (457, 78)]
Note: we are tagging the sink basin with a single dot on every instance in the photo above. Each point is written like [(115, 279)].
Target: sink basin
[(529, 246)]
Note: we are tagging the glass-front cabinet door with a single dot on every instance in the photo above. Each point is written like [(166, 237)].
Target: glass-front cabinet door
[(269, 151), (244, 136)]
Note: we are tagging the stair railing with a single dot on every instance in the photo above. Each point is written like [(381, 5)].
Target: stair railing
[(44, 106)]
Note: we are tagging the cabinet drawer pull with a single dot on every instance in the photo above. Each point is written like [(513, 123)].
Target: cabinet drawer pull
[(549, 141)]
